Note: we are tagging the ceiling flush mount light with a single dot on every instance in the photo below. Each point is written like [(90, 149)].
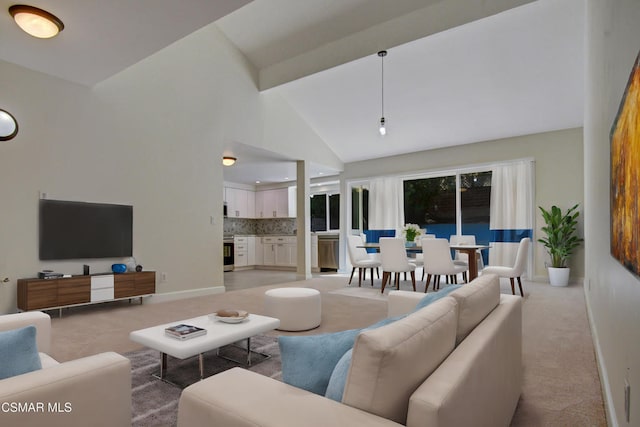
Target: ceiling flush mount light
[(228, 161), (36, 22), (8, 126), (382, 129)]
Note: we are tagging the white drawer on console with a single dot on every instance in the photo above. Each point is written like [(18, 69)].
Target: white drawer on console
[(99, 282)]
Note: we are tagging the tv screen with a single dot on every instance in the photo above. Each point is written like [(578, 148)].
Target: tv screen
[(73, 230)]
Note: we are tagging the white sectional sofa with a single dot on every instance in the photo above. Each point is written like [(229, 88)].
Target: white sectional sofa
[(91, 391), (456, 362)]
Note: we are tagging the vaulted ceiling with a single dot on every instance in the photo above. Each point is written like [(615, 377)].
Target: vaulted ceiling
[(457, 72)]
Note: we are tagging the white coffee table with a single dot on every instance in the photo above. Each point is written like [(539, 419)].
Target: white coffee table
[(218, 335)]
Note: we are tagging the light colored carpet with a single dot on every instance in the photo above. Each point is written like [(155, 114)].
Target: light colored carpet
[(561, 383), (155, 403)]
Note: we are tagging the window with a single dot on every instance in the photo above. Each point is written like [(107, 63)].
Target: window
[(359, 209), (325, 212), (437, 205), (431, 203)]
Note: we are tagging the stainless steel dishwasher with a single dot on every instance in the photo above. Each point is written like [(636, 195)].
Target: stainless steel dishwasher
[(328, 251)]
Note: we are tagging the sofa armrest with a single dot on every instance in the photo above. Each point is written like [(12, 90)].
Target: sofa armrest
[(480, 382), (40, 320), (238, 397), (94, 390), (402, 302)]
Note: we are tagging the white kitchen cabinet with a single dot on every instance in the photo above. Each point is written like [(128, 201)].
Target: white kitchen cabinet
[(274, 203), (268, 251), (251, 250), (241, 251), (279, 251), (258, 251), (240, 203), (314, 251), (292, 206)]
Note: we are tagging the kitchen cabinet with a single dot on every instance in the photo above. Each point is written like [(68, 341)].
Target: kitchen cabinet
[(275, 203), (258, 251), (314, 251), (268, 251), (241, 251), (240, 203), (279, 251)]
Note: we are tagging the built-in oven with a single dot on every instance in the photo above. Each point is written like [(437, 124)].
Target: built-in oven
[(227, 252)]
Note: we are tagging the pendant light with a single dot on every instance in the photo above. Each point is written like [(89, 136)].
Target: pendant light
[(36, 22), (382, 129)]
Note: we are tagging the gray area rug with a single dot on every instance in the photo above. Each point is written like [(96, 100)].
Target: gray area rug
[(155, 402)]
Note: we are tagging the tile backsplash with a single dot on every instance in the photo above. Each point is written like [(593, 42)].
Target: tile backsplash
[(259, 226)]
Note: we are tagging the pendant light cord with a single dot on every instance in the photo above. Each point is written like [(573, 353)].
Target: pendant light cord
[(382, 54)]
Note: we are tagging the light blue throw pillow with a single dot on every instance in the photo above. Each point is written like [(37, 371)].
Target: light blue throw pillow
[(309, 360), (18, 352), (435, 296), (338, 379)]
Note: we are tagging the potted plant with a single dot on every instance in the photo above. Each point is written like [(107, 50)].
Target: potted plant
[(561, 239), (411, 231)]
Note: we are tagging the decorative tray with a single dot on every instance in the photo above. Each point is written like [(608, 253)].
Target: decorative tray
[(230, 316)]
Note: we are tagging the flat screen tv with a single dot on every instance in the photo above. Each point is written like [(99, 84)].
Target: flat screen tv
[(75, 230)]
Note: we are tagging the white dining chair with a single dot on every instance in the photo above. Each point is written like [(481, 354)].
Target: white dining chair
[(438, 262), (360, 259), (393, 255), (514, 271), (462, 258), (419, 257)]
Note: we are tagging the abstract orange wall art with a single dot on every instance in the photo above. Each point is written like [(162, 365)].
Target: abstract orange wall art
[(625, 176)]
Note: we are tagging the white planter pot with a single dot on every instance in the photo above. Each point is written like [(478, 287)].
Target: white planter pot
[(559, 276)]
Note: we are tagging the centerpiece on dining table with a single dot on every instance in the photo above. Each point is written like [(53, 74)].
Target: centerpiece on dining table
[(411, 231)]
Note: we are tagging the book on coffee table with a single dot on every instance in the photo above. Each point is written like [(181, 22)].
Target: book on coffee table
[(184, 332)]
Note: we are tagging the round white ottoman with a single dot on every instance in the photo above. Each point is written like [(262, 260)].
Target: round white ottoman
[(298, 309)]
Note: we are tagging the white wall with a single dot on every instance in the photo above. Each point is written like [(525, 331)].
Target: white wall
[(558, 174), (151, 136), (613, 298)]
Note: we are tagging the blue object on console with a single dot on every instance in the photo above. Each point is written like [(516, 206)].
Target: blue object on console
[(118, 268)]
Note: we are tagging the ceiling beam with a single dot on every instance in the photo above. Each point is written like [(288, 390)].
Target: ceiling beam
[(412, 26)]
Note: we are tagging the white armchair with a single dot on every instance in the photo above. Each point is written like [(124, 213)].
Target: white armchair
[(94, 390)]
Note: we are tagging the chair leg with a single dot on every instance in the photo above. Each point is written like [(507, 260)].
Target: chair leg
[(454, 279), (385, 277), (353, 270), (378, 271), (413, 280), (372, 276), (405, 275), (436, 282), (426, 286), (464, 277), (359, 276), (520, 286), (422, 275), (513, 290), (398, 279)]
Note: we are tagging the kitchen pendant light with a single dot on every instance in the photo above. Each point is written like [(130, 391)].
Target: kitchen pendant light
[(36, 22), (382, 129)]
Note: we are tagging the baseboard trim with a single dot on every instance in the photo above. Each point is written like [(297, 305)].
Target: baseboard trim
[(191, 293), (604, 377)]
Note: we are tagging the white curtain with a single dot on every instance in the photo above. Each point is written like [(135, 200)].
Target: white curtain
[(511, 210), (386, 204)]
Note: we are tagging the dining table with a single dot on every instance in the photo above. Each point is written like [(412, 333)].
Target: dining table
[(470, 250)]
